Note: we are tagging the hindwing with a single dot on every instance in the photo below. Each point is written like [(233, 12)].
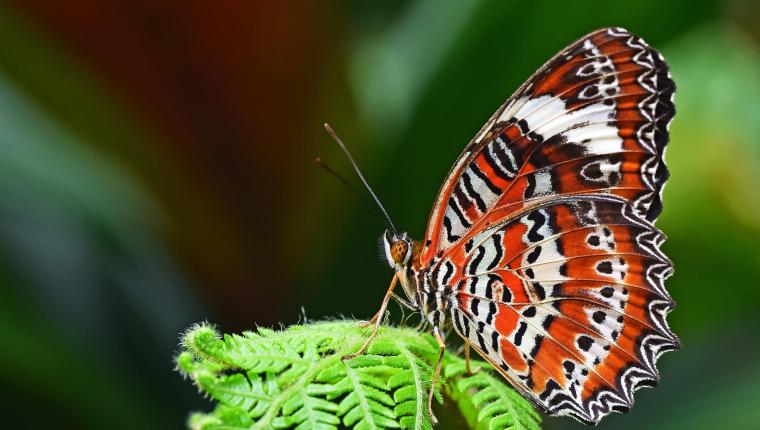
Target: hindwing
[(567, 301)]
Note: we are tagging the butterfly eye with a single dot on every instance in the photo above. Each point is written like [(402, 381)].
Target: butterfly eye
[(399, 252)]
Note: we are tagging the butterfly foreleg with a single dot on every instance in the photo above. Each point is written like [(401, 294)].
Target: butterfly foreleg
[(437, 373), (405, 303), (376, 320), (467, 359), (422, 326), (372, 320)]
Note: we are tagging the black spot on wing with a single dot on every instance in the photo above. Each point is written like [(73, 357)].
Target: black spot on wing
[(481, 341), (464, 202), (489, 287), (593, 240), (604, 267), (529, 312), (499, 252), (533, 255), (520, 332), (448, 274), (491, 312), (548, 321), (584, 342), (531, 187), (474, 194), (458, 322), (563, 269), (540, 291), (447, 226), (474, 305), (458, 212), (599, 317), (536, 345), (538, 220), (523, 126), (480, 252), (473, 284)]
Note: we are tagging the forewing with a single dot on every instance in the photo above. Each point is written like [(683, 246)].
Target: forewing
[(593, 119), (567, 301)]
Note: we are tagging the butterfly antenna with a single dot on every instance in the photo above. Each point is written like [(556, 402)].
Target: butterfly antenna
[(359, 173)]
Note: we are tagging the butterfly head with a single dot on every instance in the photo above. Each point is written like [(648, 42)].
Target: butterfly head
[(401, 252), (398, 249)]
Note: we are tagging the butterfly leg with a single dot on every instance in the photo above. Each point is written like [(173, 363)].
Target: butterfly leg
[(437, 374), (376, 320), (422, 325), (388, 295), (405, 303), (368, 323), (467, 359), (400, 300)]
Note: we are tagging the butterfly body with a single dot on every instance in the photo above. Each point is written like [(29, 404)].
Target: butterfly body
[(541, 249)]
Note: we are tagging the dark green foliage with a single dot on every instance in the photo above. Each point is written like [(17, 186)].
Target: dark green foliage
[(296, 378)]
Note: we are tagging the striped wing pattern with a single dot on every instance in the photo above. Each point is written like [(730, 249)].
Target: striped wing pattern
[(543, 234), (568, 302), (592, 119)]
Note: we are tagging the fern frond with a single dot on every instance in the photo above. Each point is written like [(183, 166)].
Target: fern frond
[(222, 418), (366, 405), (309, 411), (487, 401), (296, 378), (411, 383)]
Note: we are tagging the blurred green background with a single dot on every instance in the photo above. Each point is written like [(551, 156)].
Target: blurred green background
[(156, 170)]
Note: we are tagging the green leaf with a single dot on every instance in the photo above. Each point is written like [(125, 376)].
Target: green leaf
[(296, 378), (223, 418), (486, 401)]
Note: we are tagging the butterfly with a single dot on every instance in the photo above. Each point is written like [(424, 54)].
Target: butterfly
[(541, 250)]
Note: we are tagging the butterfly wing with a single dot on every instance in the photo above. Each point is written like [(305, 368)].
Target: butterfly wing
[(544, 229), (594, 118), (567, 301)]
